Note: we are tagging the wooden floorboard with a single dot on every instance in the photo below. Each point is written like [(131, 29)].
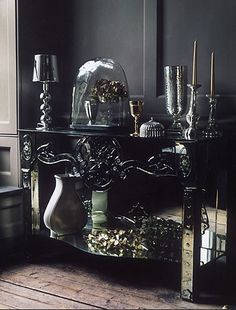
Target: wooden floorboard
[(16, 296), (74, 281)]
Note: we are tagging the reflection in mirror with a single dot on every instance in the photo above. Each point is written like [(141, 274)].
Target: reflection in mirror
[(214, 238)]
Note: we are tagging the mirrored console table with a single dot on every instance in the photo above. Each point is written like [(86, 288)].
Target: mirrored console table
[(165, 197)]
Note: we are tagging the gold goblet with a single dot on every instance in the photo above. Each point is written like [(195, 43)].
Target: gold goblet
[(136, 108)]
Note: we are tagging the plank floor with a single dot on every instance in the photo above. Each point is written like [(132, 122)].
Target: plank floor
[(68, 279)]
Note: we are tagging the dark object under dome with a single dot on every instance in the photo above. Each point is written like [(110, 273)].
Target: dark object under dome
[(100, 96)]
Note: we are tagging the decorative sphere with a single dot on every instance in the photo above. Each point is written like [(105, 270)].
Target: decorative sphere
[(45, 96)]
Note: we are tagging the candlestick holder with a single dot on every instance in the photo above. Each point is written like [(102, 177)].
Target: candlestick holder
[(192, 116), (211, 130)]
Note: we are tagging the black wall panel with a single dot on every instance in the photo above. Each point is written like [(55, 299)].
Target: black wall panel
[(142, 35)]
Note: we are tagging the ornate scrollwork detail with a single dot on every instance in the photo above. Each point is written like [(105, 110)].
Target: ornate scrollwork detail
[(101, 164), (46, 154), (158, 165), (28, 158), (187, 294), (185, 165), (204, 220), (25, 177), (188, 209), (27, 149), (184, 160), (99, 160), (204, 216), (162, 164)]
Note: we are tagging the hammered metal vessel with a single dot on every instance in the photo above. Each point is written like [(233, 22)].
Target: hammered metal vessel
[(175, 78)]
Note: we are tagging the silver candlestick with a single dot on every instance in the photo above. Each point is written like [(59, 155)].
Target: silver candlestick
[(212, 127), (192, 116)]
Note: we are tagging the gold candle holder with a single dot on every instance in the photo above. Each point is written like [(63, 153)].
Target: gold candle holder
[(136, 108)]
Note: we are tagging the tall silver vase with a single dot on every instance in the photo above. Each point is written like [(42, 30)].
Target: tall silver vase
[(175, 79)]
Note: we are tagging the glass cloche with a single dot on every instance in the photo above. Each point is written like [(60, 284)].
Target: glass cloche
[(152, 129), (100, 95)]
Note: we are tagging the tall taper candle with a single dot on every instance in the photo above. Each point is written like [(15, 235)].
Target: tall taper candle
[(194, 68), (212, 81)]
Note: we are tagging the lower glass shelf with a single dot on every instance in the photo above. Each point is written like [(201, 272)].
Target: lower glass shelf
[(149, 237), (153, 238)]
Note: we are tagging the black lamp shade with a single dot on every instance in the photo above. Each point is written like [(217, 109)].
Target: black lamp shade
[(45, 68)]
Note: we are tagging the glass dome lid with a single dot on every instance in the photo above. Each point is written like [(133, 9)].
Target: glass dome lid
[(100, 95), (152, 129)]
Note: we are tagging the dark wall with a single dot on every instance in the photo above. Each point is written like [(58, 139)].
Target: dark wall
[(213, 24), (78, 30), (43, 27), (142, 36), (110, 29)]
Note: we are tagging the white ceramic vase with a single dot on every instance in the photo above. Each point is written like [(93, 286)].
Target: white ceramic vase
[(65, 212)]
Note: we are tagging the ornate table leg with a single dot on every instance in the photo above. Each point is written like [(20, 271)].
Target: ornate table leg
[(35, 200), (27, 164), (31, 198), (191, 243)]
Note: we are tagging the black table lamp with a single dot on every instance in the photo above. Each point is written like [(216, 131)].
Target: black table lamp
[(45, 71)]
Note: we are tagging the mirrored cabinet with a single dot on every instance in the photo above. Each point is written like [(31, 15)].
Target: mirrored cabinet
[(144, 198)]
